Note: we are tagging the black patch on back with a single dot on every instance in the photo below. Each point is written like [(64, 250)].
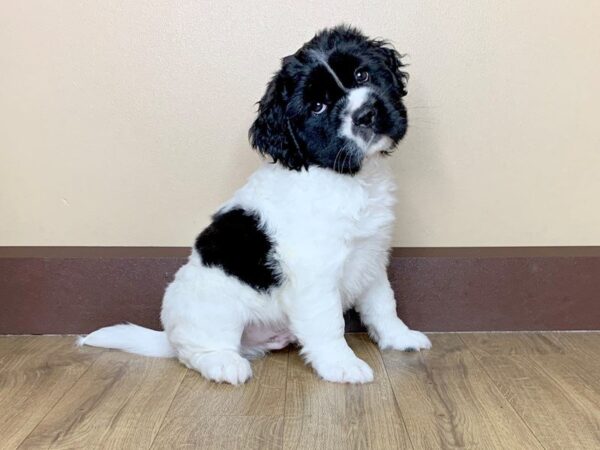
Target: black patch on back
[(236, 242)]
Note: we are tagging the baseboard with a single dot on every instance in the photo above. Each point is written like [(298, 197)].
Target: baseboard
[(47, 290)]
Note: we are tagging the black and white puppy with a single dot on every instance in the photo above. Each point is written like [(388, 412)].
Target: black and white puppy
[(307, 237)]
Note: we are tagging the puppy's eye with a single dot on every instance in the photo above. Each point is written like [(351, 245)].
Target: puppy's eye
[(318, 108), (361, 76)]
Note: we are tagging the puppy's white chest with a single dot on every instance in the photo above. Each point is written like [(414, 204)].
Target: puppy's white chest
[(370, 239), (375, 213)]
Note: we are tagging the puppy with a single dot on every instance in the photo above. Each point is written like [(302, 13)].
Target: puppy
[(307, 237)]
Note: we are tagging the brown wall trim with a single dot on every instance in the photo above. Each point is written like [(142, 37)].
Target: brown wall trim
[(78, 289)]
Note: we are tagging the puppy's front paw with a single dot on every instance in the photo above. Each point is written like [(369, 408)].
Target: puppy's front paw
[(406, 341), (227, 367), (351, 370)]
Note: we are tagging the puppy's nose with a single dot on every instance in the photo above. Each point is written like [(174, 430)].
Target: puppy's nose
[(364, 116)]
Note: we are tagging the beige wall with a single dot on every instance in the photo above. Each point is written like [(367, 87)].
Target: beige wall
[(125, 122)]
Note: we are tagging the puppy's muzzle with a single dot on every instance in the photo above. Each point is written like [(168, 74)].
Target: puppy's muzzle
[(364, 116)]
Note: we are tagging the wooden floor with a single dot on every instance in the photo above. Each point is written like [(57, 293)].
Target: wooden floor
[(510, 391)]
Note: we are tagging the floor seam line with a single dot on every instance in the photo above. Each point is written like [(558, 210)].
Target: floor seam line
[(185, 373), (285, 392), (396, 403)]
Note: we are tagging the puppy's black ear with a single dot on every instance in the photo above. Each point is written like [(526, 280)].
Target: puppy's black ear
[(393, 61), (272, 132)]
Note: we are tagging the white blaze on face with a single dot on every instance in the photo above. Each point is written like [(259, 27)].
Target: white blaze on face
[(355, 99)]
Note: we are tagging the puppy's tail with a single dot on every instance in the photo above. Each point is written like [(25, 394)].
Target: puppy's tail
[(130, 338)]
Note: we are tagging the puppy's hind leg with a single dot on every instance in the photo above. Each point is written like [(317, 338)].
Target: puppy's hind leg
[(204, 321)]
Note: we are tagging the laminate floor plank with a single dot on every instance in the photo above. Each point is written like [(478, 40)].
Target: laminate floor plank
[(556, 392), (448, 400), (120, 402), (208, 415), (35, 372), (324, 415), (586, 344)]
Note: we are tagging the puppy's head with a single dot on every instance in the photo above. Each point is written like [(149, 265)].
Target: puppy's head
[(335, 102)]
